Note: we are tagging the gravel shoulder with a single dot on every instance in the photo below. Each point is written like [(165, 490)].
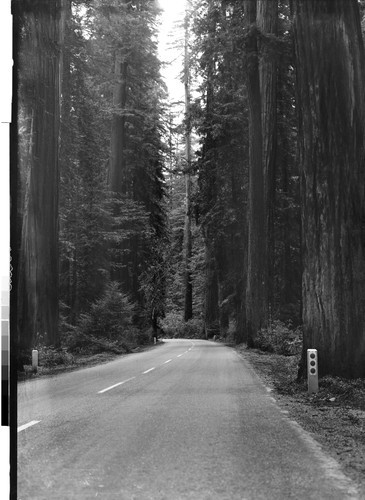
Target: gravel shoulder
[(335, 416)]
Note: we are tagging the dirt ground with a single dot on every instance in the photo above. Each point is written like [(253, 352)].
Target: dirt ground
[(335, 416)]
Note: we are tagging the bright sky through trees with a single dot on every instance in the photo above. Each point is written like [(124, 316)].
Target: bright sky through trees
[(170, 48)]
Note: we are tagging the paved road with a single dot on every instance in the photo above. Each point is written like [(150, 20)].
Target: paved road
[(186, 420)]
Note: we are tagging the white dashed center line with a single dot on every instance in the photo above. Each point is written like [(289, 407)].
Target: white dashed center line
[(29, 424), (147, 371), (168, 361), (115, 385)]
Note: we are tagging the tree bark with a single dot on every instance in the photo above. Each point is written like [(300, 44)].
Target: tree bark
[(256, 289), (211, 307), (118, 137), (267, 20), (222, 272), (118, 179), (330, 80), (39, 253)]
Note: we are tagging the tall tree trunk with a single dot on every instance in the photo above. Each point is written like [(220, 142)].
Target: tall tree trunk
[(188, 288), (222, 273), (118, 138), (118, 166), (39, 253), (256, 290), (211, 308), (267, 20), (330, 79)]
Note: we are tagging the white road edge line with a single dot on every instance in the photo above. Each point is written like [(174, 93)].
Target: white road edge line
[(179, 355), (147, 371), (168, 361), (115, 385), (29, 424)]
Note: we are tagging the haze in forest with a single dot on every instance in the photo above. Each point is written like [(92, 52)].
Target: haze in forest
[(238, 216)]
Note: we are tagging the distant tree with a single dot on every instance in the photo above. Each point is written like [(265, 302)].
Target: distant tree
[(330, 78), (85, 211), (220, 117), (127, 76), (188, 288)]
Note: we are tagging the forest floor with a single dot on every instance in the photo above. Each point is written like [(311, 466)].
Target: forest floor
[(335, 416)]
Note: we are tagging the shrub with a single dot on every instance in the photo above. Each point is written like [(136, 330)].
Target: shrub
[(171, 324), (174, 327), (48, 356), (109, 316), (136, 336), (192, 329), (280, 338)]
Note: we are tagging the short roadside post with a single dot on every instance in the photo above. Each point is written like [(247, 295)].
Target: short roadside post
[(35, 359), (312, 364)]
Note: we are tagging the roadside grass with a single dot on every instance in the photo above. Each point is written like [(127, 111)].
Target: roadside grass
[(54, 361), (74, 363), (335, 416)]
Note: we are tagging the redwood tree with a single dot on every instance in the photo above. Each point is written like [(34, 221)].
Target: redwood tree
[(188, 289), (41, 31), (256, 290), (267, 23), (330, 81)]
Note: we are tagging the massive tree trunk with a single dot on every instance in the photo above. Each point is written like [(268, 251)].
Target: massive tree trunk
[(256, 290), (267, 20), (40, 96), (188, 288), (330, 79)]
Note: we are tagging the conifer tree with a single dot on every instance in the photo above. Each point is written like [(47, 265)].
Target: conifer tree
[(41, 32)]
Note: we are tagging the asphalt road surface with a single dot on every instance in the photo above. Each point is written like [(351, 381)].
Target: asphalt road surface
[(185, 420)]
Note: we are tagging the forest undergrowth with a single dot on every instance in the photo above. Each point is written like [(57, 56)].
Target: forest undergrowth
[(55, 361), (335, 416)]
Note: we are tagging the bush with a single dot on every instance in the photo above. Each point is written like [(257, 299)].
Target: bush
[(48, 356), (135, 337), (174, 327), (106, 327), (192, 329), (280, 338), (171, 324), (110, 316)]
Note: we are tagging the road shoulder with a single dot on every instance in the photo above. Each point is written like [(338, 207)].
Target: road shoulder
[(335, 420)]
